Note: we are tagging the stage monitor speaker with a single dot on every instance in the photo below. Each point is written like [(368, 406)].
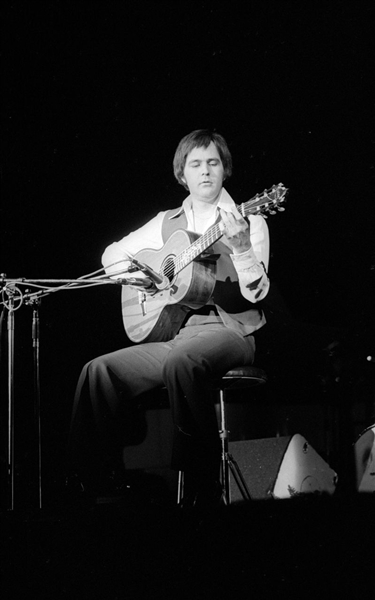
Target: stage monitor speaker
[(280, 467), (364, 453)]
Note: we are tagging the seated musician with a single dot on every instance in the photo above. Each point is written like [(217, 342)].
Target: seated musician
[(205, 339)]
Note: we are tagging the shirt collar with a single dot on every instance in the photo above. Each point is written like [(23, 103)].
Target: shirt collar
[(225, 202)]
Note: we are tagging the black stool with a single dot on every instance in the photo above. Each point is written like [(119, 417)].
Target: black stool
[(240, 377)]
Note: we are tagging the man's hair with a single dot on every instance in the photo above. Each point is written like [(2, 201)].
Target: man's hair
[(198, 139)]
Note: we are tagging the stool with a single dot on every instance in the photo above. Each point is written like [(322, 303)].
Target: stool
[(240, 377)]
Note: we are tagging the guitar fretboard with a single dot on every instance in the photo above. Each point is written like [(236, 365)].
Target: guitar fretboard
[(261, 203)]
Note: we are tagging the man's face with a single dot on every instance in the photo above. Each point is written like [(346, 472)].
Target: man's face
[(203, 173)]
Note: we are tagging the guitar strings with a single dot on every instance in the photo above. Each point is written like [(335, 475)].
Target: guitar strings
[(200, 245)]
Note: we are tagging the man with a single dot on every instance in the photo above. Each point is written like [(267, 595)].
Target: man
[(210, 340)]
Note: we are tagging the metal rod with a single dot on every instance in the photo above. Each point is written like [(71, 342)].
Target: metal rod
[(25, 280), (180, 488), (224, 449), (10, 454), (37, 416)]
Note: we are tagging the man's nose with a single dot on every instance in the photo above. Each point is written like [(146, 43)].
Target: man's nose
[(205, 168)]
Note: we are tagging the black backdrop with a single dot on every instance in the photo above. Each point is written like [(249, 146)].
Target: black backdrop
[(96, 96)]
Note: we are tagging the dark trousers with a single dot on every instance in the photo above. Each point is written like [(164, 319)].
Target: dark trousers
[(106, 414)]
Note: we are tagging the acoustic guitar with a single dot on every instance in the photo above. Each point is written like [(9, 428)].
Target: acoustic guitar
[(180, 276)]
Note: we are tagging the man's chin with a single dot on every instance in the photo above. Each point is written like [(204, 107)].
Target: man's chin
[(209, 193)]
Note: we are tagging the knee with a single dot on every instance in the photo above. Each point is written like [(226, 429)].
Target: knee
[(96, 364), (94, 368)]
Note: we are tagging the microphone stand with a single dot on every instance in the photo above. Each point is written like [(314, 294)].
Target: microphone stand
[(11, 287), (36, 373), (15, 299), (10, 448)]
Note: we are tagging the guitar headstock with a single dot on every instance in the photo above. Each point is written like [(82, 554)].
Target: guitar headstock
[(270, 201)]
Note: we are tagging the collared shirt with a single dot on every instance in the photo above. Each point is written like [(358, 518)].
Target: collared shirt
[(251, 266)]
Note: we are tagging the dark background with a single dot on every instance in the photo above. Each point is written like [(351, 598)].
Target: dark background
[(96, 96)]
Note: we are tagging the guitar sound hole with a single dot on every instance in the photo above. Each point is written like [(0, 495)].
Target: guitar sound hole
[(168, 267)]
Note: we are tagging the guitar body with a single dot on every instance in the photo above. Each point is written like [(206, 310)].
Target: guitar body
[(157, 315)]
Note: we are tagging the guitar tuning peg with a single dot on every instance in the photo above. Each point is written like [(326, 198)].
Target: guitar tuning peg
[(281, 209), (272, 212)]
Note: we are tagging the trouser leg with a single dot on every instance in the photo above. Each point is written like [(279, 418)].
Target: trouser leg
[(106, 416), (197, 356)]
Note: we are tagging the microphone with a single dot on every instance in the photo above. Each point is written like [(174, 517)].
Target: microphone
[(160, 281), (144, 282)]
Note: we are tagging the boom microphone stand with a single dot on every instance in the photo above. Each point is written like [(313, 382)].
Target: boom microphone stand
[(12, 300), (15, 298)]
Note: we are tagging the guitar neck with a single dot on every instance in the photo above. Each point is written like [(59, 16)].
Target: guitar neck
[(258, 204)]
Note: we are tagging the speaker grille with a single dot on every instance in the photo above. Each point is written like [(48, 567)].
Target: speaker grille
[(280, 467)]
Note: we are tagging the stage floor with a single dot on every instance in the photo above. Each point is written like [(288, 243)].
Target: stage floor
[(302, 548)]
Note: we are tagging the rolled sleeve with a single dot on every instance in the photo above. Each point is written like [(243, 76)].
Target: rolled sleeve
[(251, 266)]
